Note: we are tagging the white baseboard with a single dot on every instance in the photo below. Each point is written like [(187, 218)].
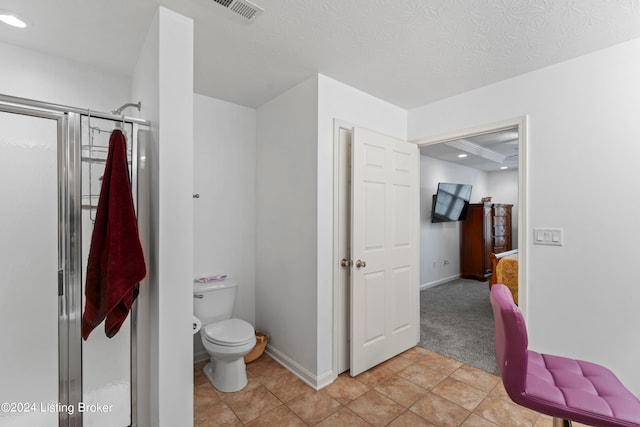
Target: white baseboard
[(200, 356), (315, 381), (439, 282), (199, 352)]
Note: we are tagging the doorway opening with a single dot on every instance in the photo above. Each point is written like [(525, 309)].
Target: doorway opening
[(343, 139), (492, 159)]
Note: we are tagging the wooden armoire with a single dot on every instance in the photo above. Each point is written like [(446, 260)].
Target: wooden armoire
[(486, 229)]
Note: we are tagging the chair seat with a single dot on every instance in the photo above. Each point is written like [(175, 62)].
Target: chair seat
[(578, 390), (564, 388)]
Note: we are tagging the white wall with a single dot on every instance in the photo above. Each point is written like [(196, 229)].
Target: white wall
[(339, 101), (286, 226), (175, 240), (224, 214), (29, 74), (503, 187), (441, 241), (583, 133), (163, 79), (294, 215)]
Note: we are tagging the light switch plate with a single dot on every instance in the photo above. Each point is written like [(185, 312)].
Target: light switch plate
[(547, 236)]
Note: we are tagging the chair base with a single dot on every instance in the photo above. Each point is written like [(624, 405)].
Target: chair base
[(559, 422)]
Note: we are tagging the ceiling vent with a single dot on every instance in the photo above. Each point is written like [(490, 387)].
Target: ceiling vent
[(244, 8)]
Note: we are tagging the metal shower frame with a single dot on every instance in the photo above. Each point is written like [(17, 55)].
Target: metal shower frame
[(69, 185)]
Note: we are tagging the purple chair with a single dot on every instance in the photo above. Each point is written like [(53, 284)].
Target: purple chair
[(563, 388)]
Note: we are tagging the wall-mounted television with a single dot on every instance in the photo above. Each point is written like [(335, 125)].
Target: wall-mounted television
[(450, 202)]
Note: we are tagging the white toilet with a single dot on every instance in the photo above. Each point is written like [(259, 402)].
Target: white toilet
[(226, 340)]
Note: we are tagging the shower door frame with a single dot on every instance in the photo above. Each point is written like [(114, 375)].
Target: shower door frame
[(69, 274), (67, 244)]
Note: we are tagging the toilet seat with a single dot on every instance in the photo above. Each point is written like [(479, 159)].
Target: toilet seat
[(229, 333)]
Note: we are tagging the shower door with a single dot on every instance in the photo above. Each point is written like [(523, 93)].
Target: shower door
[(30, 258), (51, 166)]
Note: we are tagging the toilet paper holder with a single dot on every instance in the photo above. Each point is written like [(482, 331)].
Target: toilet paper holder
[(197, 325)]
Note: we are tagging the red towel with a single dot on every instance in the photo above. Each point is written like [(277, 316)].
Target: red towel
[(116, 262)]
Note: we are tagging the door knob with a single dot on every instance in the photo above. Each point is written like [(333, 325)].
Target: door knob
[(345, 262), (361, 264)]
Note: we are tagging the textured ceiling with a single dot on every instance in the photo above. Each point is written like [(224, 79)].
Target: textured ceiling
[(407, 52)]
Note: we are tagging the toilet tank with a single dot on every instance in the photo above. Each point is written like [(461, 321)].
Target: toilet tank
[(213, 301)]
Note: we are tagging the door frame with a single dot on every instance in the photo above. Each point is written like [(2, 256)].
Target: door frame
[(69, 346), (339, 348), (522, 124)]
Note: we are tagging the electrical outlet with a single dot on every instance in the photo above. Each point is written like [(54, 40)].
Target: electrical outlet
[(446, 262), (434, 264)]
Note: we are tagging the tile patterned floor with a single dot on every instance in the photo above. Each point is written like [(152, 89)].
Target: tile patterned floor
[(416, 388)]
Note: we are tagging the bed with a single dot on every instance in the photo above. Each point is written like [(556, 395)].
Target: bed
[(505, 270)]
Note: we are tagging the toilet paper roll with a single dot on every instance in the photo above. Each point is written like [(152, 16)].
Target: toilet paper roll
[(196, 325)]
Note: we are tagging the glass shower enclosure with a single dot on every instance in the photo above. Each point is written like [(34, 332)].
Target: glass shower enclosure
[(51, 166)]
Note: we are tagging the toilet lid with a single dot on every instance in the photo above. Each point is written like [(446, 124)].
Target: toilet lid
[(230, 332)]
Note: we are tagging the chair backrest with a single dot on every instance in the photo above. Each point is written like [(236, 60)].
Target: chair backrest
[(511, 340)]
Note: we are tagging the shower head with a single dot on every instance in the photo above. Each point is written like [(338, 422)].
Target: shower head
[(119, 110)]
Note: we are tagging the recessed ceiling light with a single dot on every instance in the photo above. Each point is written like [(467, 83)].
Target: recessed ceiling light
[(503, 167), (10, 18), (462, 156)]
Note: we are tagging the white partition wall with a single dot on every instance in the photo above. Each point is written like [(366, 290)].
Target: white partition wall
[(163, 80), (28, 273)]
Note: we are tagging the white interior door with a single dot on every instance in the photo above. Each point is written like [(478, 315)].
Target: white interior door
[(384, 249)]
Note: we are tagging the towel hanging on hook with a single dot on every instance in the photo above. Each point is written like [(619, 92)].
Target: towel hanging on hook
[(116, 262)]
